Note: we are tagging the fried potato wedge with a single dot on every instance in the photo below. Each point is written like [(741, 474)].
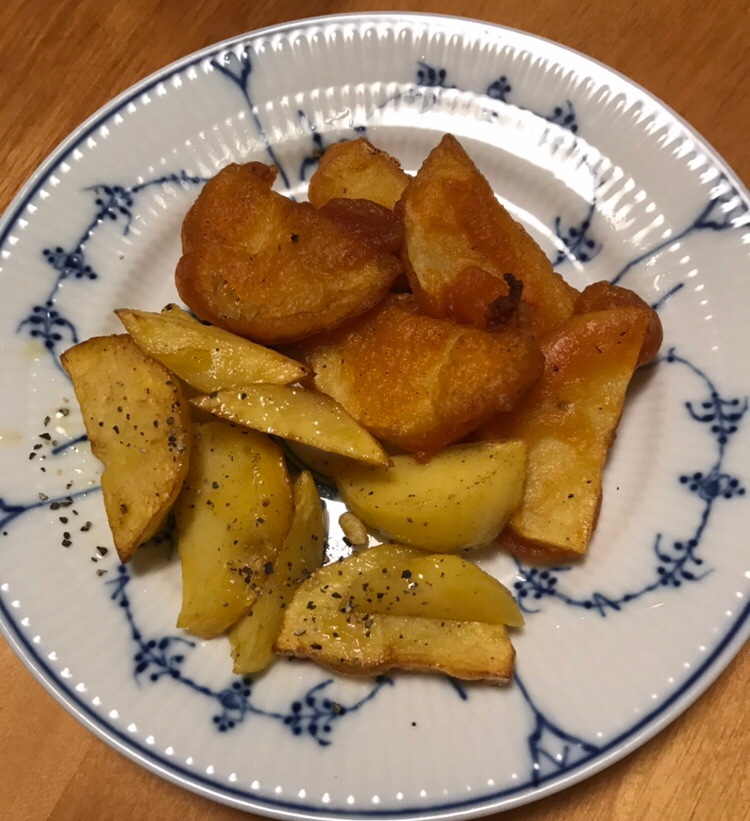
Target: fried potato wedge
[(460, 242), (357, 170), (417, 382), (568, 422), (232, 518), (252, 638), (461, 498), (370, 222), (295, 413), (270, 269), (435, 587), (600, 296), (320, 624), (138, 423), (206, 357)]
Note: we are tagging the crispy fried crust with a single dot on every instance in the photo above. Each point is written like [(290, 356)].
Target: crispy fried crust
[(568, 422), (373, 224), (272, 270), (357, 170), (600, 296), (417, 382), (460, 242)]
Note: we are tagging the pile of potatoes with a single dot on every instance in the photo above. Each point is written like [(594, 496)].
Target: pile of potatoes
[(409, 340)]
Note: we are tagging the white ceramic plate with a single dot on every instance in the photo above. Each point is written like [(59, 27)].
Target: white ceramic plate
[(614, 186)]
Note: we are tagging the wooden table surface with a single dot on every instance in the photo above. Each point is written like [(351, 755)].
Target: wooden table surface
[(60, 61)]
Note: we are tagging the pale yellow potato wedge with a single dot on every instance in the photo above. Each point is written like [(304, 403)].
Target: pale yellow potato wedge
[(206, 357), (461, 498), (138, 423), (252, 638), (294, 413), (321, 464), (232, 518), (319, 624), (435, 586)]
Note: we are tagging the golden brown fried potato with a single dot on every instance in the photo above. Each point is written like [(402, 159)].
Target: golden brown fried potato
[(417, 382), (269, 269), (357, 170), (568, 422), (460, 242), (373, 224), (600, 296)]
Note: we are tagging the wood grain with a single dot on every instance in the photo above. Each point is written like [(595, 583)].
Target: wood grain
[(60, 62)]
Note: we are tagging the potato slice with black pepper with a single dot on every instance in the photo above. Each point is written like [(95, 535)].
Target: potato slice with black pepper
[(232, 518), (435, 586), (461, 498), (297, 414), (206, 357), (137, 421), (322, 624), (253, 636)]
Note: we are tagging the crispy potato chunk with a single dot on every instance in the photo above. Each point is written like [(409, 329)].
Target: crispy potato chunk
[(417, 382), (138, 423), (373, 224), (357, 170), (568, 422), (321, 624), (232, 518), (460, 242), (461, 498), (253, 636), (600, 296), (269, 269)]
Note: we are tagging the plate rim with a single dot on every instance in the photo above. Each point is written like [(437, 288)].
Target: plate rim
[(617, 749), (29, 186), (635, 736)]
